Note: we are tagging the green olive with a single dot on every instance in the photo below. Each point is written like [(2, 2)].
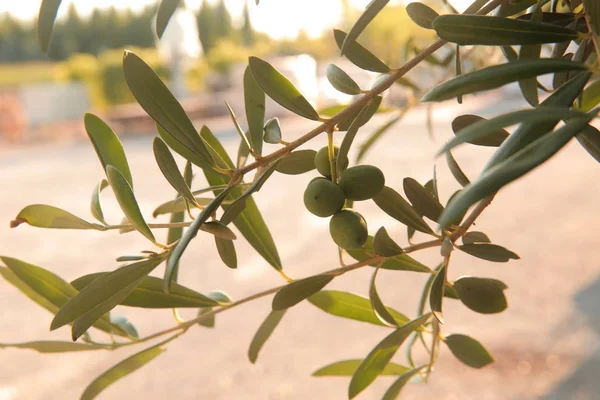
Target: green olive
[(348, 229), (322, 161), (362, 182), (323, 198)]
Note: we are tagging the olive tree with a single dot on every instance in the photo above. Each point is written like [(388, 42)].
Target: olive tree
[(532, 37)]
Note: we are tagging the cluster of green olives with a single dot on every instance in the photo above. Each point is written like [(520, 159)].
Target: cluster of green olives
[(325, 198)]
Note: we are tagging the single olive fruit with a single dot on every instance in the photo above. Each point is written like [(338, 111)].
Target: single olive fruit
[(323, 197), (322, 161), (362, 182), (348, 229)]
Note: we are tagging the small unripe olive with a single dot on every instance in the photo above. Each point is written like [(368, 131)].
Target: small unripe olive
[(323, 198), (348, 229), (362, 182), (322, 161)]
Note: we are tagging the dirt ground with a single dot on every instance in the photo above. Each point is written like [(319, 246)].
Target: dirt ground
[(545, 344)]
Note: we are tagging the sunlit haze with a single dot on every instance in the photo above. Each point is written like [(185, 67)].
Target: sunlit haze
[(277, 18)]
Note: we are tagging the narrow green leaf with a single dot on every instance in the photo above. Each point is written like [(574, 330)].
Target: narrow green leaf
[(50, 346), (379, 308), (121, 370), (102, 295), (590, 97), (351, 306), (296, 291), (480, 130), (528, 132), (181, 204), (95, 206), (164, 14), (475, 237), (126, 199), (107, 145), (589, 139), (341, 80), (373, 8), (149, 294), (46, 289), (468, 350), (402, 262), (187, 237), (226, 250), (280, 89), (529, 87), (238, 128), (208, 322), (348, 368), (43, 216), (365, 114), (482, 295), (169, 169), (394, 205), (249, 222), (219, 230), (380, 356), (358, 55), (436, 294), (263, 333), (156, 99), (422, 200), (342, 156), (421, 14), (490, 252), (456, 171), (497, 76), (46, 17), (254, 100), (126, 325), (511, 168), (498, 31), (297, 162), (394, 391), (375, 136), (272, 131), (491, 138), (384, 245)]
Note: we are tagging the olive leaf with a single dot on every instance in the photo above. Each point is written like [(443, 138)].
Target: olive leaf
[(422, 200), (436, 295), (297, 162), (126, 199), (421, 14), (95, 206), (488, 251), (44, 216), (341, 80), (394, 391), (348, 368), (46, 17), (149, 294), (358, 55), (351, 306), (498, 31), (492, 138), (293, 293), (263, 333), (107, 145), (160, 104), (373, 8), (226, 250), (497, 76), (384, 245), (168, 167), (280, 89), (164, 14), (254, 100), (468, 350), (272, 131), (394, 205), (482, 295), (379, 308), (380, 356)]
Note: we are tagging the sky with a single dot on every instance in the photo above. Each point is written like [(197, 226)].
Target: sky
[(277, 18)]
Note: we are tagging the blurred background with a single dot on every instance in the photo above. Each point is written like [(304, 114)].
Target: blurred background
[(545, 344)]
